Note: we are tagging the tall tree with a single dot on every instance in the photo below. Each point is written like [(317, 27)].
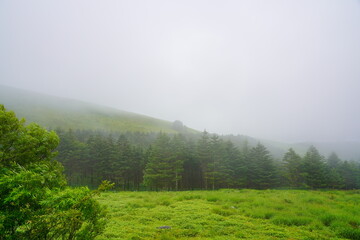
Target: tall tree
[(333, 160), (350, 172), (234, 170), (332, 169), (122, 166), (292, 163), (192, 175), (213, 173), (314, 169), (158, 170), (204, 157), (261, 172), (72, 154), (178, 143)]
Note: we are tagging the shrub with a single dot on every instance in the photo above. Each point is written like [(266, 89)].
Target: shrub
[(35, 202)]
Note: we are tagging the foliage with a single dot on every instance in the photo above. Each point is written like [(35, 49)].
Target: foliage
[(293, 166), (261, 172), (314, 169), (176, 162), (35, 202), (165, 162)]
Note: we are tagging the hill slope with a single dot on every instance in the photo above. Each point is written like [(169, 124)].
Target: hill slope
[(53, 112)]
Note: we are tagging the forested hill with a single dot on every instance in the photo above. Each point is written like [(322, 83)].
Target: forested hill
[(56, 112)]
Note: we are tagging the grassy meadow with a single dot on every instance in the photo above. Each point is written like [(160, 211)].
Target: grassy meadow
[(233, 214)]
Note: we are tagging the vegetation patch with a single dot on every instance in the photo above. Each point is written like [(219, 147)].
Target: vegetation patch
[(232, 214)]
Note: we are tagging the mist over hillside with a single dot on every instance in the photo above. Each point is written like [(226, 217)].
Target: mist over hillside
[(53, 112), (179, 96), (346, 150), (279, 70)]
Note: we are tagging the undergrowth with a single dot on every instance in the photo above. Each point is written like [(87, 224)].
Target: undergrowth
[(233, 214)]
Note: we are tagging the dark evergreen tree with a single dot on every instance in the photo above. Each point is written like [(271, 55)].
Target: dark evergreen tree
[(333, 161), (214, 168), (314, 171), (292, 163), (159, 170), (350, 172), (192, 175), (203, 155), (334, 178), (97, 160), (180, 156), (121, 163), (261, 170)]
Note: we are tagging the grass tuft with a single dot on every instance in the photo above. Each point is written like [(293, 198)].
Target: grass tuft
[(327, 219), (350, 233), (292, 221)]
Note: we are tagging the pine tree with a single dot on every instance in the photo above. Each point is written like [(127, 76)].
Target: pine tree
[(334, 178), (234, 167), (179, 150), (350, 171), (158, 170), (192, 175), (314, 169), (204, 158), (122, 164), (261, 172), (292, 163), (213, 173), (333, 160)]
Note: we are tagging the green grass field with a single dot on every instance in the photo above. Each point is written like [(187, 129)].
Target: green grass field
[(233, 214)]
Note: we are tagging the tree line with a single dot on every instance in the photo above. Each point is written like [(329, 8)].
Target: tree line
[(149, 161)]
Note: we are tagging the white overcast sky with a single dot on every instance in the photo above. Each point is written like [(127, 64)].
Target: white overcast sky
[(286, 70)]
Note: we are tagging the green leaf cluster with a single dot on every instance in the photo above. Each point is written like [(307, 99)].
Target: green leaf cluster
[(35, 201)]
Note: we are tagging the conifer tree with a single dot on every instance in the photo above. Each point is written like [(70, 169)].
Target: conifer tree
[(292, 163), (179, 150), (204, 158), (261, 171), (332, 169), (350, 171), (192, 175), (124, 162), (314, 169), (158, 170), (234, 167), (333, 160)]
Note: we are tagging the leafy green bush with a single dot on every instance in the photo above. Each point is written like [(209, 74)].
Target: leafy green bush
[(35, 202)]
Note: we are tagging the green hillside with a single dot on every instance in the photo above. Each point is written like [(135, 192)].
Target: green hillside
[(53, 112)]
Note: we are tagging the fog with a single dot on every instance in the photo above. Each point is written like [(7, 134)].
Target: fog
[(284, 70)]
